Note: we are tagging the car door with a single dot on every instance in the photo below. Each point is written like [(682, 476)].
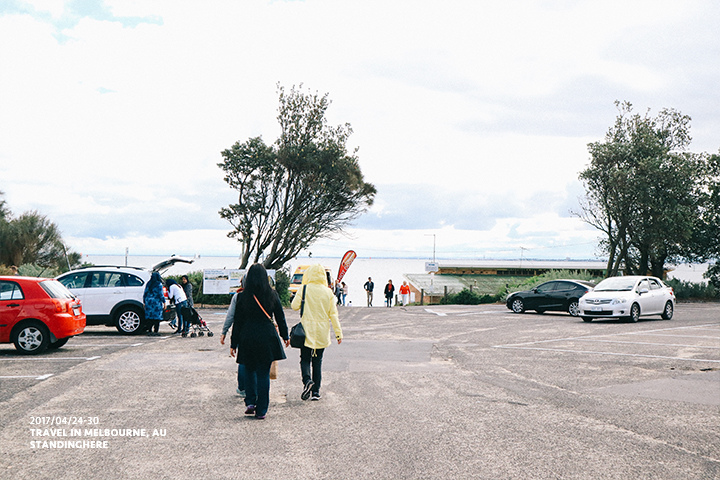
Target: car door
[(11, 303), (562, 294), (657, 293), (645, 300), (543, 297), (75, 282), (103, 291)]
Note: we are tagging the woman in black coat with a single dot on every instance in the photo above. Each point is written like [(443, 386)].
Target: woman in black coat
[(255, 338)]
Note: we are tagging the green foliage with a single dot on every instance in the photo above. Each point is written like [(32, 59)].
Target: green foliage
[(303, 187), (531, 282), (468, 297), (32, 239), (282, 283), (695, 291), (713, 275), (645, 192)]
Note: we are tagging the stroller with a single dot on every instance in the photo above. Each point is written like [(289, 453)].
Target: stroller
[(197, 324)]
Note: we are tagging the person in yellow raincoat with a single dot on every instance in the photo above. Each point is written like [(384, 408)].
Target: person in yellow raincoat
[(318, 312)]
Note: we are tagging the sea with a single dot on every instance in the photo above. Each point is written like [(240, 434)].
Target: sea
[(379, 269)]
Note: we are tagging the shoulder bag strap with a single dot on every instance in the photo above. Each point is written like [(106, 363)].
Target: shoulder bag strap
[(302, 304), (262, 308)]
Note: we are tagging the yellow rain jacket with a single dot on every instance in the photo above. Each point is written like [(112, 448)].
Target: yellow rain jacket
[(320, 306)]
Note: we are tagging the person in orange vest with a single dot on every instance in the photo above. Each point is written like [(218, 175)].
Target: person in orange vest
[(405, 292)]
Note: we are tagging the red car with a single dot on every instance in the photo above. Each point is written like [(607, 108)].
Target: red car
[(38, 313)]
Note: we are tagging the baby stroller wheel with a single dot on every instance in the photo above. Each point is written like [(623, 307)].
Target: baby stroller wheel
[(210, 334), (201, 334), (193, 335), (184, 334)]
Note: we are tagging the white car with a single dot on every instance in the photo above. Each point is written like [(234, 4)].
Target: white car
[(113, 295), (628, 297)]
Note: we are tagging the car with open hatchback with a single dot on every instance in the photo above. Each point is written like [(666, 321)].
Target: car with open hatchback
[(112, 295)]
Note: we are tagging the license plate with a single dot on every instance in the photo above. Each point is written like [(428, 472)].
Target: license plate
[(76, 311), (596, 309)]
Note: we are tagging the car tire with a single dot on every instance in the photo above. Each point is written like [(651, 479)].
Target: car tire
[(32, 338), (634, 313), (59, 343), (129, 320), (574, 308), (668, 311), (587, 319), (517, 305)]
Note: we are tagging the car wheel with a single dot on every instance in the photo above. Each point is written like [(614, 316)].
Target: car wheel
[(517, 305), (587, 319), (32, 338), (574, 308), (59, 343), (668, 311), (634, 313), (129, 320)]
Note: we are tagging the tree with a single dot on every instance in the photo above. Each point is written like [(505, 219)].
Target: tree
[(303, 187), (644, 191), (32, 238)]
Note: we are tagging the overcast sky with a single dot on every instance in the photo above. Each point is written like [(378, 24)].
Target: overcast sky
[(472, 118)]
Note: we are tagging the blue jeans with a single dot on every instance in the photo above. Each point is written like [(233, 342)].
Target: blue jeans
[(241, 376), (257, 387), (182, 326)]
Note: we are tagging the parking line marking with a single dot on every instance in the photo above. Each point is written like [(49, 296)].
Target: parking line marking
[(36, 377), (51, 359), (649, 343), (608, 353)]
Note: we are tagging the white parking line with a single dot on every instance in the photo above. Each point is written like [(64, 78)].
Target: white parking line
[(608, 353), (36, 377), (597, 338), (51, 358)]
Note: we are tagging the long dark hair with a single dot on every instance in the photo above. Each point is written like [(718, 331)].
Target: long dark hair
[(256, 283)]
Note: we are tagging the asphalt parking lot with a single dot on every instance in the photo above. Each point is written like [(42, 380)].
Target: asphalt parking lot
[(417, 392)]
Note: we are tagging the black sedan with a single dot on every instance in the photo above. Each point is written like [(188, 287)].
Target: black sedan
[(556, 295)]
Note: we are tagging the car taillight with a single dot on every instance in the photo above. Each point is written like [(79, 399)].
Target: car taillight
[(61, 306)]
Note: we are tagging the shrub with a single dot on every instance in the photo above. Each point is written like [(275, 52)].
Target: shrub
[(467, 297), (689, 290)]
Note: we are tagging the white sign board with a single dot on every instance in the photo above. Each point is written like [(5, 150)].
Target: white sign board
[(432, 267), (226, 280)]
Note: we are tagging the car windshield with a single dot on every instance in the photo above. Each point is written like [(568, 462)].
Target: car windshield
[(616, 284), (56, 289)]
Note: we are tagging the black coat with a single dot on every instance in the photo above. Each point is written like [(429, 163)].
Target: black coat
[(254, 334)]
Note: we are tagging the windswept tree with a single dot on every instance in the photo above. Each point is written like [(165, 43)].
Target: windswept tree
[(303, 187), (644, 191), (33, 239)]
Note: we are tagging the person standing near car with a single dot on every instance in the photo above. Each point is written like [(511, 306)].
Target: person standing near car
[(177, 295), (154, 300), (319, 311), (255, 339), (188, 289)]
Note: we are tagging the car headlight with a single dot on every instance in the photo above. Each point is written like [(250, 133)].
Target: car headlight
[(619, 301)]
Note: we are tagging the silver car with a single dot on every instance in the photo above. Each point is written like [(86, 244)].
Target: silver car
[(629, 298)]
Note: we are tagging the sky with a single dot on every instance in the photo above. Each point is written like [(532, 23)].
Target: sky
[(472, 118)]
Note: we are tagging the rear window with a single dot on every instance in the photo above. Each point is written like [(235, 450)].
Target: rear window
[(10, 291), (55, 289)]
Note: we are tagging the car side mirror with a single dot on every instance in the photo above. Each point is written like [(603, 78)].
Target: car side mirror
[(643, 291)]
